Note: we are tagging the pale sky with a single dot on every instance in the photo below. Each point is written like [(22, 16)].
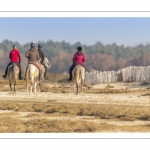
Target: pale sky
[(129, 31)]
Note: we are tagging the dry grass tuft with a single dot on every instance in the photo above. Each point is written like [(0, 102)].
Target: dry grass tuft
[(34, 125), (146, 94), (109, 86)]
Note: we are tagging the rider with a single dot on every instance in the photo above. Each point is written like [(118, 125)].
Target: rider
[(15, 57), (78, 59), (33, 57), (41, 55)]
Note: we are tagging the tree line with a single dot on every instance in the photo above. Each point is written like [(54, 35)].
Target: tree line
[(98, 56)]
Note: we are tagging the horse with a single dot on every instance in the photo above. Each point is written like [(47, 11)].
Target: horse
[(13, 73), (78, 75), (32, 72), (46, 63)]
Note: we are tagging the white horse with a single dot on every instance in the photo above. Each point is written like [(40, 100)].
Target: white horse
[(46, 63), (13, 73), (32, 73), (78, 75)]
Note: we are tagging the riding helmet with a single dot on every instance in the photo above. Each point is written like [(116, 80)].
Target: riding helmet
[(39, 46), (79, 48), (14, 46), (32, 45)]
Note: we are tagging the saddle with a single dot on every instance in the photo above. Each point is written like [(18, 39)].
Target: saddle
[(16, 65), (35, 65)]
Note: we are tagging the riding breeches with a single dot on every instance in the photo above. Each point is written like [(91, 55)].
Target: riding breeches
[(38, 65)]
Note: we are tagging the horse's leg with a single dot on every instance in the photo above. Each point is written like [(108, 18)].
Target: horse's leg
[(74, 88), (77, 87), (15, 88), (35, 86), (81, 86), (27, 89), (31, 84), (39, 87), (10, 87), (82, 82)]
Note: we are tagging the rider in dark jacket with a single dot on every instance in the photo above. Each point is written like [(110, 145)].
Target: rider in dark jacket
[(15, 57), (41, 55), (78, 59)]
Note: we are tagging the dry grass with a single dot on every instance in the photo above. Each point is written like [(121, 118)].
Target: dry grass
[(10, 125), (146, 94), (9, 122), (86, 89), (119, 112), (57, 78), (37, 122)]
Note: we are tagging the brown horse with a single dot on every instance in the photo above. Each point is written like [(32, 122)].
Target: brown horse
[(78, 74)]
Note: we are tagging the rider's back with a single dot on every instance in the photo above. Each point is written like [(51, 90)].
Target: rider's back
[(32, 55)]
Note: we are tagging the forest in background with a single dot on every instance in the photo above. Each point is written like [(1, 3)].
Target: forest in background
[(98, 56)]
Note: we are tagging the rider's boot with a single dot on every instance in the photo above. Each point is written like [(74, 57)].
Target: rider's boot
[(20, 78), (70, 78), (45, 73), (40, 74), (4, 76)]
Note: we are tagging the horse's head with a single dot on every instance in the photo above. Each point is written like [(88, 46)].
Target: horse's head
[(46, 62)]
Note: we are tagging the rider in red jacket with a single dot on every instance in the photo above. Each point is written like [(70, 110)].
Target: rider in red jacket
[(14, 56), (78, 59)]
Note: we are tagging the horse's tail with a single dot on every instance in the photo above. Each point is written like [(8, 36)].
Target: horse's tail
[(76, 74), (14, 75)]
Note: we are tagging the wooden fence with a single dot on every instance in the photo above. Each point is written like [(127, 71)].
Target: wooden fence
[(129, 74)]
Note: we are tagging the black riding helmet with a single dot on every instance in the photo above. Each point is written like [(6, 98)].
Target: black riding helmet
[(14, 46), (39, 46), (32, 45), (79, 48)]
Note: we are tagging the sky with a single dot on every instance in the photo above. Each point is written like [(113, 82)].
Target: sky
[(129, 31)]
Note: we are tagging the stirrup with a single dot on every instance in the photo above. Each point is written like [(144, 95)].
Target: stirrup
[(69, 79), (4, 76), (20, 78)]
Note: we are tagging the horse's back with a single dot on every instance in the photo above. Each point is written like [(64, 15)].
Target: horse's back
[(32, 69), (78, 73), (13, 72)]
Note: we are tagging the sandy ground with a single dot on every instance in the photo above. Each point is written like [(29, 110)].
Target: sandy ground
[(134, 97)]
